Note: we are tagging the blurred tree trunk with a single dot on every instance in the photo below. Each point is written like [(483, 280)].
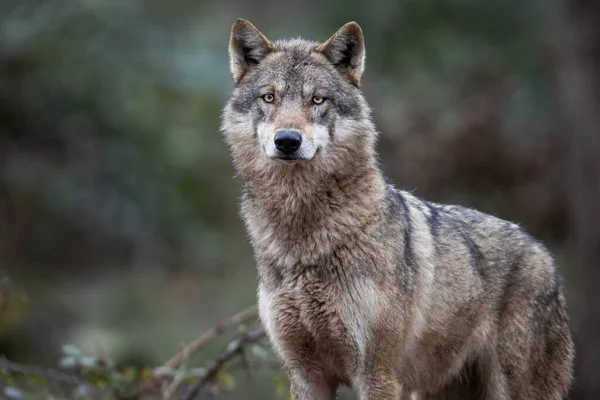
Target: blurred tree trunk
[(581, 87)]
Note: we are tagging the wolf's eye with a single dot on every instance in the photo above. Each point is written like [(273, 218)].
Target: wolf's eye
[(268, 98), (318, 100)]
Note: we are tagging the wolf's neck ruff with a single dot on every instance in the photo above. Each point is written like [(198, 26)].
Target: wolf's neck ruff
[(296, 215)]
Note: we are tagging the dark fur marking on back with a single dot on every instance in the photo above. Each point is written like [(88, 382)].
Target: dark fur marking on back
[(393, 207), (409, 257), (509, 282), (477, 256), (396, 206), (433, 219), (545, 301)]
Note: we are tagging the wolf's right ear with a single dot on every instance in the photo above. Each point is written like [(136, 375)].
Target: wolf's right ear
[(247, 46)]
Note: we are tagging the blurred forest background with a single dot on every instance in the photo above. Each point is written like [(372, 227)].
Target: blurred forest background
[(119, 230)]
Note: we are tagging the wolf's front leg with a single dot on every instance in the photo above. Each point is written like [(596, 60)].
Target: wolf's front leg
[(311, 387), (379, 387), (377, 376)]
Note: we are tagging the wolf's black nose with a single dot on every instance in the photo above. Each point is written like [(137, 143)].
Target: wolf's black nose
[(288, 141)]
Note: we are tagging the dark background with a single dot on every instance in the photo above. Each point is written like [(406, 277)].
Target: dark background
[(119, 228)]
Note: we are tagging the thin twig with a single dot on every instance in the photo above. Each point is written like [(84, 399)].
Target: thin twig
[(169, 390), (233, 349), (211, 335), (15, 368)]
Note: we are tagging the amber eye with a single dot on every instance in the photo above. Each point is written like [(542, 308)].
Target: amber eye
[(268, 97), (318, 100)]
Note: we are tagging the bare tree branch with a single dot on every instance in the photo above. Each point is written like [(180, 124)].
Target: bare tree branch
[(234, 349), (211, 335)]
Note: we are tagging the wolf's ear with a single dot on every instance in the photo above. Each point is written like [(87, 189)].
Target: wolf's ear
[(247, 46), (346, 50)]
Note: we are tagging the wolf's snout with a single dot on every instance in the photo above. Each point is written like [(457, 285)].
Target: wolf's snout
[(288, 142)]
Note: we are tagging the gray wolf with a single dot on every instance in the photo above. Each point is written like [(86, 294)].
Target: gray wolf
[(365, 285)]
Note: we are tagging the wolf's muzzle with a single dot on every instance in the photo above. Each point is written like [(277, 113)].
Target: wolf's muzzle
[(288, 142)]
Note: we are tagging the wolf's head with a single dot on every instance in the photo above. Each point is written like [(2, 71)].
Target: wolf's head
[(296, 103)]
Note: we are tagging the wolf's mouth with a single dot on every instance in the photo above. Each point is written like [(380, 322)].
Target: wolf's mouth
[(293, 158), (288, 159)]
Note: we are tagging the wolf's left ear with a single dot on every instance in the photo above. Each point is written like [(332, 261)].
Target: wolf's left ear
[(346, 50), (247, 46)]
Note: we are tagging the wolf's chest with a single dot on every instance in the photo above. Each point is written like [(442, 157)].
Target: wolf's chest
[(305, 307), (310, 315)]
